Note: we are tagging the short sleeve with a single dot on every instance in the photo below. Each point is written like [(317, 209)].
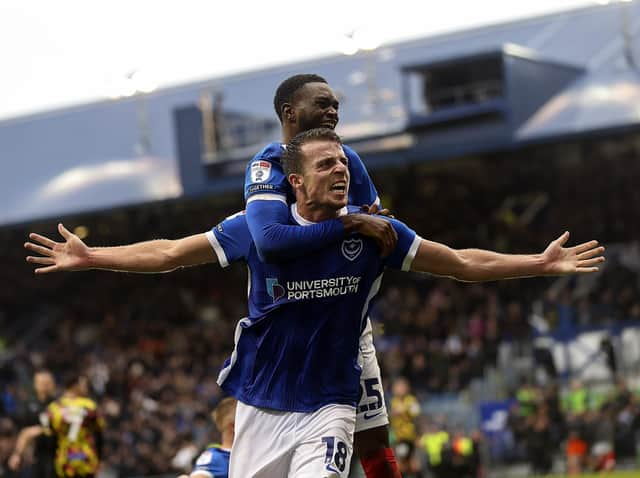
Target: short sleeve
[(231, 239), (204, 464), (406, 248), (361, 187), (264, 177)]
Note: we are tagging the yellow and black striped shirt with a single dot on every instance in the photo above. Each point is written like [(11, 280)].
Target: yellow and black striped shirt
[(75, 422)]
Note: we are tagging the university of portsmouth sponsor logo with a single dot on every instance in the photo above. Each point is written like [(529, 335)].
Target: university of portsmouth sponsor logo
[(260, 171), (321, 288), (351, 248), (275, 290)]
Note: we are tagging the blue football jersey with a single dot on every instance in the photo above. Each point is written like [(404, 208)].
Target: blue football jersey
[(214, 462), (297, 350), (264, 175)]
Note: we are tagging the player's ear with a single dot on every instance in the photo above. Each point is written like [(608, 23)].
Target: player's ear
[(288, 113), (295, 180)]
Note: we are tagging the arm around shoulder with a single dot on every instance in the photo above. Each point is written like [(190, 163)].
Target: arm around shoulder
[(276, 238)]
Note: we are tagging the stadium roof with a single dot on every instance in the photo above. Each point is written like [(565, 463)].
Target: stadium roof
[(598, 102), (83, 158)]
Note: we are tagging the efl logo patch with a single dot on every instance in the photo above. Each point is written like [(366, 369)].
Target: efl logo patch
[(260, 171), (351, 248)]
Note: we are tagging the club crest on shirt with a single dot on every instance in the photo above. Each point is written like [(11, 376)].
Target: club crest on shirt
[(205, 458), (260, 171), (275, 290), (351, 248)]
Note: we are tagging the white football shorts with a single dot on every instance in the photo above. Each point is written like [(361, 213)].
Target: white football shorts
[(372, 410), (275, 444)]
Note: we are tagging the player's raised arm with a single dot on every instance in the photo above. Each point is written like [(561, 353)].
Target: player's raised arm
[(476, 265), (147, 257)]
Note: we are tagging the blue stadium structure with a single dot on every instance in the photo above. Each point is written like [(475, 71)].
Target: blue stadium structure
[(498, 137), (501, 86)]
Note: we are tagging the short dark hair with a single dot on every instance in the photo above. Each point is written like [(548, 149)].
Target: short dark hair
[(287, 89), (292, 156), (71, 378)]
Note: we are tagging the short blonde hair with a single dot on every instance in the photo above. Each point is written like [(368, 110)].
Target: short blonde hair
[(225, 413)]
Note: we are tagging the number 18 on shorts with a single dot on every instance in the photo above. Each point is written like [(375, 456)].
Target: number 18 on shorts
[(337, 456), (274, 444)]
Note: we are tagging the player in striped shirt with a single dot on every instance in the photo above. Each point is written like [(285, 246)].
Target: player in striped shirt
[(77, 426)]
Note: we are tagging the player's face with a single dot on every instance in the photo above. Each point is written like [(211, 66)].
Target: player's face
[(316, 106), (43, 384), (83, 386), (325, 177)]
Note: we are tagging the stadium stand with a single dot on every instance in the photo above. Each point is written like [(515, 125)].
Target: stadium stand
[(501, 370), (153, 344)]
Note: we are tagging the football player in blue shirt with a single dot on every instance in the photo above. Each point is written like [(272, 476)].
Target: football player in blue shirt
[(294, 367), (303, 102), (214, 461)]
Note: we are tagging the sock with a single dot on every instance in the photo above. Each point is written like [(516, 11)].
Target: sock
[(381, 464)]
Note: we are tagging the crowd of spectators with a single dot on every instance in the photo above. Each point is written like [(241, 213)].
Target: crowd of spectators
[(596, 427), (152, 355), (152, 345)]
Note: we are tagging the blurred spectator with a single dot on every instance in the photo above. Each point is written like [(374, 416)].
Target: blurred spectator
[(528, 399), (606, 346), (34, 414), (603, 458), (7, 443), (576, 452), (435, 442), (577, 400), (464, 462), (405, 408), (540, 446)]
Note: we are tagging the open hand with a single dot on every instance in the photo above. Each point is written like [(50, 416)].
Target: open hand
[(70, 255), (15, 460), (580, 259)]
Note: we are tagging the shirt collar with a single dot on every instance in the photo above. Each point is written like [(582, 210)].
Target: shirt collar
[(304, 222)]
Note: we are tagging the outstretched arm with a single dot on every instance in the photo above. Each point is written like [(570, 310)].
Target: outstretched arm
[(152, 256), (476, 265)]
